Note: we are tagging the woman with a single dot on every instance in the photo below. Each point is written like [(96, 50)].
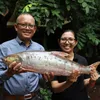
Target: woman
[(74, 86)]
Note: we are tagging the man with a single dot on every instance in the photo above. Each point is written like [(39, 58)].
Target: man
[(18, 83)]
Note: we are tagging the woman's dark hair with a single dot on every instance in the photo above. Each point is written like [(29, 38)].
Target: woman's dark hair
[(59, 36)]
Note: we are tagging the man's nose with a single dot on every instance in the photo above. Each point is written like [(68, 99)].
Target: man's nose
[(27, 26)]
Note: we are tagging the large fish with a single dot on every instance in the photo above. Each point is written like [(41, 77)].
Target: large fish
[(42, 62)]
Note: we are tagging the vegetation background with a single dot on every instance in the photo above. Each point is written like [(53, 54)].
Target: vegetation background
[(54, 16)]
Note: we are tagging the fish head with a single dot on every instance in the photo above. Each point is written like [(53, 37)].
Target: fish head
[(11, 58)]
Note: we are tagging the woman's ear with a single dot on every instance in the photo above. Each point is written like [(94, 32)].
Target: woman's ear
[(76, 42)]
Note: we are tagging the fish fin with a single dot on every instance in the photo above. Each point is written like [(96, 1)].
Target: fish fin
[(60, 54), (95, 64)]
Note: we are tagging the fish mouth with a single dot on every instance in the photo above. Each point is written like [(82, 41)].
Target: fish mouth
[(11, 58), (5, 61)]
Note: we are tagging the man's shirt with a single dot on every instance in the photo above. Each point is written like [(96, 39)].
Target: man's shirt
[(23, 83)]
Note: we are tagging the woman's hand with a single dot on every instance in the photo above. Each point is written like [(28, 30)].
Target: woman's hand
[(94, 74), (48, 76), (93, 77), (74, 76)]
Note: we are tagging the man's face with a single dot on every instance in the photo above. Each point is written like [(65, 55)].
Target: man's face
[(25, 27)]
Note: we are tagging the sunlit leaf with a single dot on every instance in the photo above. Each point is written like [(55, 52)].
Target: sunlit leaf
[(84, 4), (68, 7), (87, 10), (80, 1)]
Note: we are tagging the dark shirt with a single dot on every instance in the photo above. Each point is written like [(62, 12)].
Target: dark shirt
[(77, 91)]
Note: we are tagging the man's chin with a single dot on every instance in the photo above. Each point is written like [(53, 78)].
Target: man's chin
[(26, 38)]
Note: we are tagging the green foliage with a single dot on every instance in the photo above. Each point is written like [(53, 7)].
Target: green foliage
[(87, 5), (53, 14), (47, 14), (3, 7), (45, 94), (87, 34), (88, 26), (50, 14), (88, 38)]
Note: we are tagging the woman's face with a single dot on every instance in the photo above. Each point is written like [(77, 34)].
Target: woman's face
[(67, 42)]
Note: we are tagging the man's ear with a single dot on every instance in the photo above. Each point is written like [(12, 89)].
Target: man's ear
[(15, 26), (35, 28)]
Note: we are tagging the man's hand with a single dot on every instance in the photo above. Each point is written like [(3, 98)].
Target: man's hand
[(14, 68)]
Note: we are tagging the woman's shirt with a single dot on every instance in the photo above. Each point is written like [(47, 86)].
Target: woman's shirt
[(77, 91)]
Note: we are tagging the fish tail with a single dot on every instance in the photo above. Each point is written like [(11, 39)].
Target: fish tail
[(96, 64)]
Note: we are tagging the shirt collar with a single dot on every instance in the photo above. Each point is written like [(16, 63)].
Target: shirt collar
[(20, 41)]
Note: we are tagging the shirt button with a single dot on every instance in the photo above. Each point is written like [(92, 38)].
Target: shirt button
[(29, 76)]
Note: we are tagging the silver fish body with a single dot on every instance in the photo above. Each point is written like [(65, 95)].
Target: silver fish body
[(42, 62)]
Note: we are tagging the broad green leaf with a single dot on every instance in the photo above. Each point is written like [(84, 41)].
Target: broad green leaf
[(67, 1), (79, 47), (84, 4), (90, 1), (80, 1), (87, 10), (47, 13), (83, 40), (97, 41), (55, 12), (30, 5), (92, 7), (81, 44), (26, 9), (68, 7)]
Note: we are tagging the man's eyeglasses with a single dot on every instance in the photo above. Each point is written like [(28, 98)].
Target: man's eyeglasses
[(26, 25), (67, 39)]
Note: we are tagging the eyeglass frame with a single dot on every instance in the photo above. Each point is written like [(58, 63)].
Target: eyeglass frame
[(70, 40), (30, 26)]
